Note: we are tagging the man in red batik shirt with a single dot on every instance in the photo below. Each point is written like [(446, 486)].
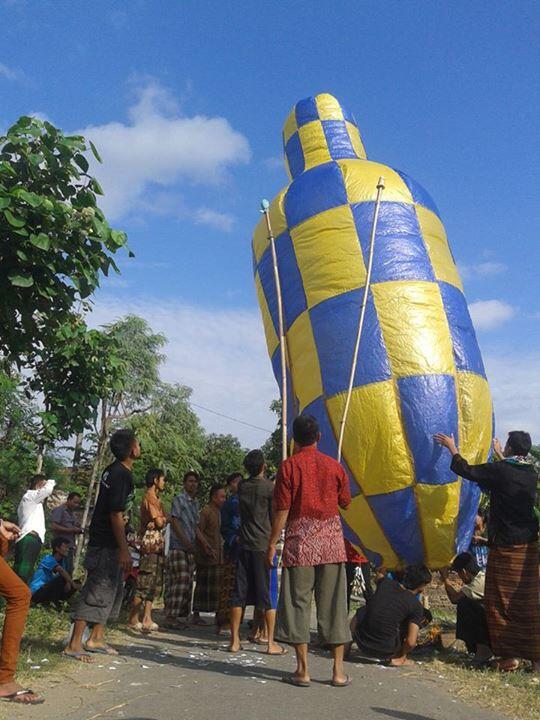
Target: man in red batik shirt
[(310, 489)]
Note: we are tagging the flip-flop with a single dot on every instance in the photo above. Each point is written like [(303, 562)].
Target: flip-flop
[(16, 698), (257, 641), (107, 650), (282, 651), (341, 684), (291, 680), (233, 652), (77, 656)]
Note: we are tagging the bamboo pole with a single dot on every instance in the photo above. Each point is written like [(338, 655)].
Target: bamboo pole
[(380, 188), (265, 209)]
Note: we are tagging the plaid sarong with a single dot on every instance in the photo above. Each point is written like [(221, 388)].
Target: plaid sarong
[(179, 572), (511, 601), (223, 615), (150, 577), (207, 588), (26, 554)]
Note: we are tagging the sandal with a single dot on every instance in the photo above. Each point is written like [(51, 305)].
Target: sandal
[(79, 657), (17, 697), (105, 650), (341, 684), (292, 680)]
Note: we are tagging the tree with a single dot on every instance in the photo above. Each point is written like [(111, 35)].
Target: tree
[(54, 240), (222, 455), (170, 434), (272, 447)]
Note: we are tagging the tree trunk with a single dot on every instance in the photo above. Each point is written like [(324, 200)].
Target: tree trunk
[(39, 459), (76, 456), (100, 453)]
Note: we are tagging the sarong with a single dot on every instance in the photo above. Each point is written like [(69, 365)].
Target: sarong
[(223, 615), (511, 601), (207, 587)]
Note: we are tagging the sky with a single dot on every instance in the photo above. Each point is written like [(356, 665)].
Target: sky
[(186, 101)]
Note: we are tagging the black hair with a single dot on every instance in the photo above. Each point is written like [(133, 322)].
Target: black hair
[(35, 479), (253, 462), (213, 490), (153, 474), (520, 442), (191, 473), (73, 495), (415, 576), (58, 542), (121, 444), (465, 561), (305, 430), (229, 479)]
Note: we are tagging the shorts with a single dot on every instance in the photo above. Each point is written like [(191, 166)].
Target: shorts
[(298, 584), (252, 582), (100, 599)]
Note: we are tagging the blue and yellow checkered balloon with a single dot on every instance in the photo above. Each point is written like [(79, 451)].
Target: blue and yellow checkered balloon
[(420, 370)]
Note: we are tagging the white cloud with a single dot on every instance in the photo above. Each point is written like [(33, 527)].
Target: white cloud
[(489, 314), (515, 385), (221, 354), (161, 147), (219, 220), (274, 163), (9, 73), (484, 269)]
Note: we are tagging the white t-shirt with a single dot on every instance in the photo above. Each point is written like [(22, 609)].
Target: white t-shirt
[(476, 588), (30, 513)]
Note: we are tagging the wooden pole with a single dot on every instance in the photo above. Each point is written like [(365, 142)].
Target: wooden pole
[(265, 209), (380, 188)]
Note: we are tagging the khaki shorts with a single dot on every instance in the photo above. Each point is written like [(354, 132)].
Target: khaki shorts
[(298, 584)]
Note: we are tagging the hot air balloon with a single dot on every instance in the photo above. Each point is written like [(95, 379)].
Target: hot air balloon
[(419, 369)]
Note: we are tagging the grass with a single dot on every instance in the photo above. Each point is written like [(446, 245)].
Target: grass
[(42, 642), (514, 694)]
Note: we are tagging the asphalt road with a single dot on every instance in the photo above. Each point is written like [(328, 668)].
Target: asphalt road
[(170, 676)]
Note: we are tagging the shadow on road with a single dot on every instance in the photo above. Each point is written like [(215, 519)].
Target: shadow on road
[(400, 714)]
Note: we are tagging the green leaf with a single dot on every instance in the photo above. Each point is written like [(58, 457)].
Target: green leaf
[(29, 197), (96, 187), (82, 162), (21, 280), (41, 241), (94, 151), (12, 220), (4, 202), (22, 255)]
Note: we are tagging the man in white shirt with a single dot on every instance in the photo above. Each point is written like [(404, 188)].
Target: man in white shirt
[(31, 520)]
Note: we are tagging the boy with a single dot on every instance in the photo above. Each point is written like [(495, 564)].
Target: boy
[(387, 627), (108, 556), (51, 581)]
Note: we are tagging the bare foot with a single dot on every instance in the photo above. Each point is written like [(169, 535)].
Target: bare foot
[(16, 693), (101, 648), (401, 662), (233, 648)]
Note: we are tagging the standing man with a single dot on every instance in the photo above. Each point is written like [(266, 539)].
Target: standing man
[(31, 520), (17, 596), (252, 582), (108, 556), (65, 523), (209, 565), (230, 532), (310, 489), (180, 569)]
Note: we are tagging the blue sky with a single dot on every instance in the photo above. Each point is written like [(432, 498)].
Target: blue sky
[(186, 101)]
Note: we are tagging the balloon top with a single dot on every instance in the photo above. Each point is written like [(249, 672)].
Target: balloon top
[(318, 130)]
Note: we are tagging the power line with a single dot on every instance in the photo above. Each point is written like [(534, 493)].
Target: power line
[(228, 417)]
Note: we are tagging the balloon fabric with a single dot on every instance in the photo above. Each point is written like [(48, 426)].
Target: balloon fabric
[(419, 369)]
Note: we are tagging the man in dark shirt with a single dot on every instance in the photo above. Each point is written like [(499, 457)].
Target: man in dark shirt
[(387, 627), (252, 582), (108, 556)]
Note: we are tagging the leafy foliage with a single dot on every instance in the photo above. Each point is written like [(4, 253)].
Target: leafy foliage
[(272, 447), (54, 240)]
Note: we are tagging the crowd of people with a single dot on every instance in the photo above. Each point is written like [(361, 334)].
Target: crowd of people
[(223, 557)]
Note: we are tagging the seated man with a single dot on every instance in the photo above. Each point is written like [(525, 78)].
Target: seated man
[(471, 624), (387, 627), (51, 581)]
